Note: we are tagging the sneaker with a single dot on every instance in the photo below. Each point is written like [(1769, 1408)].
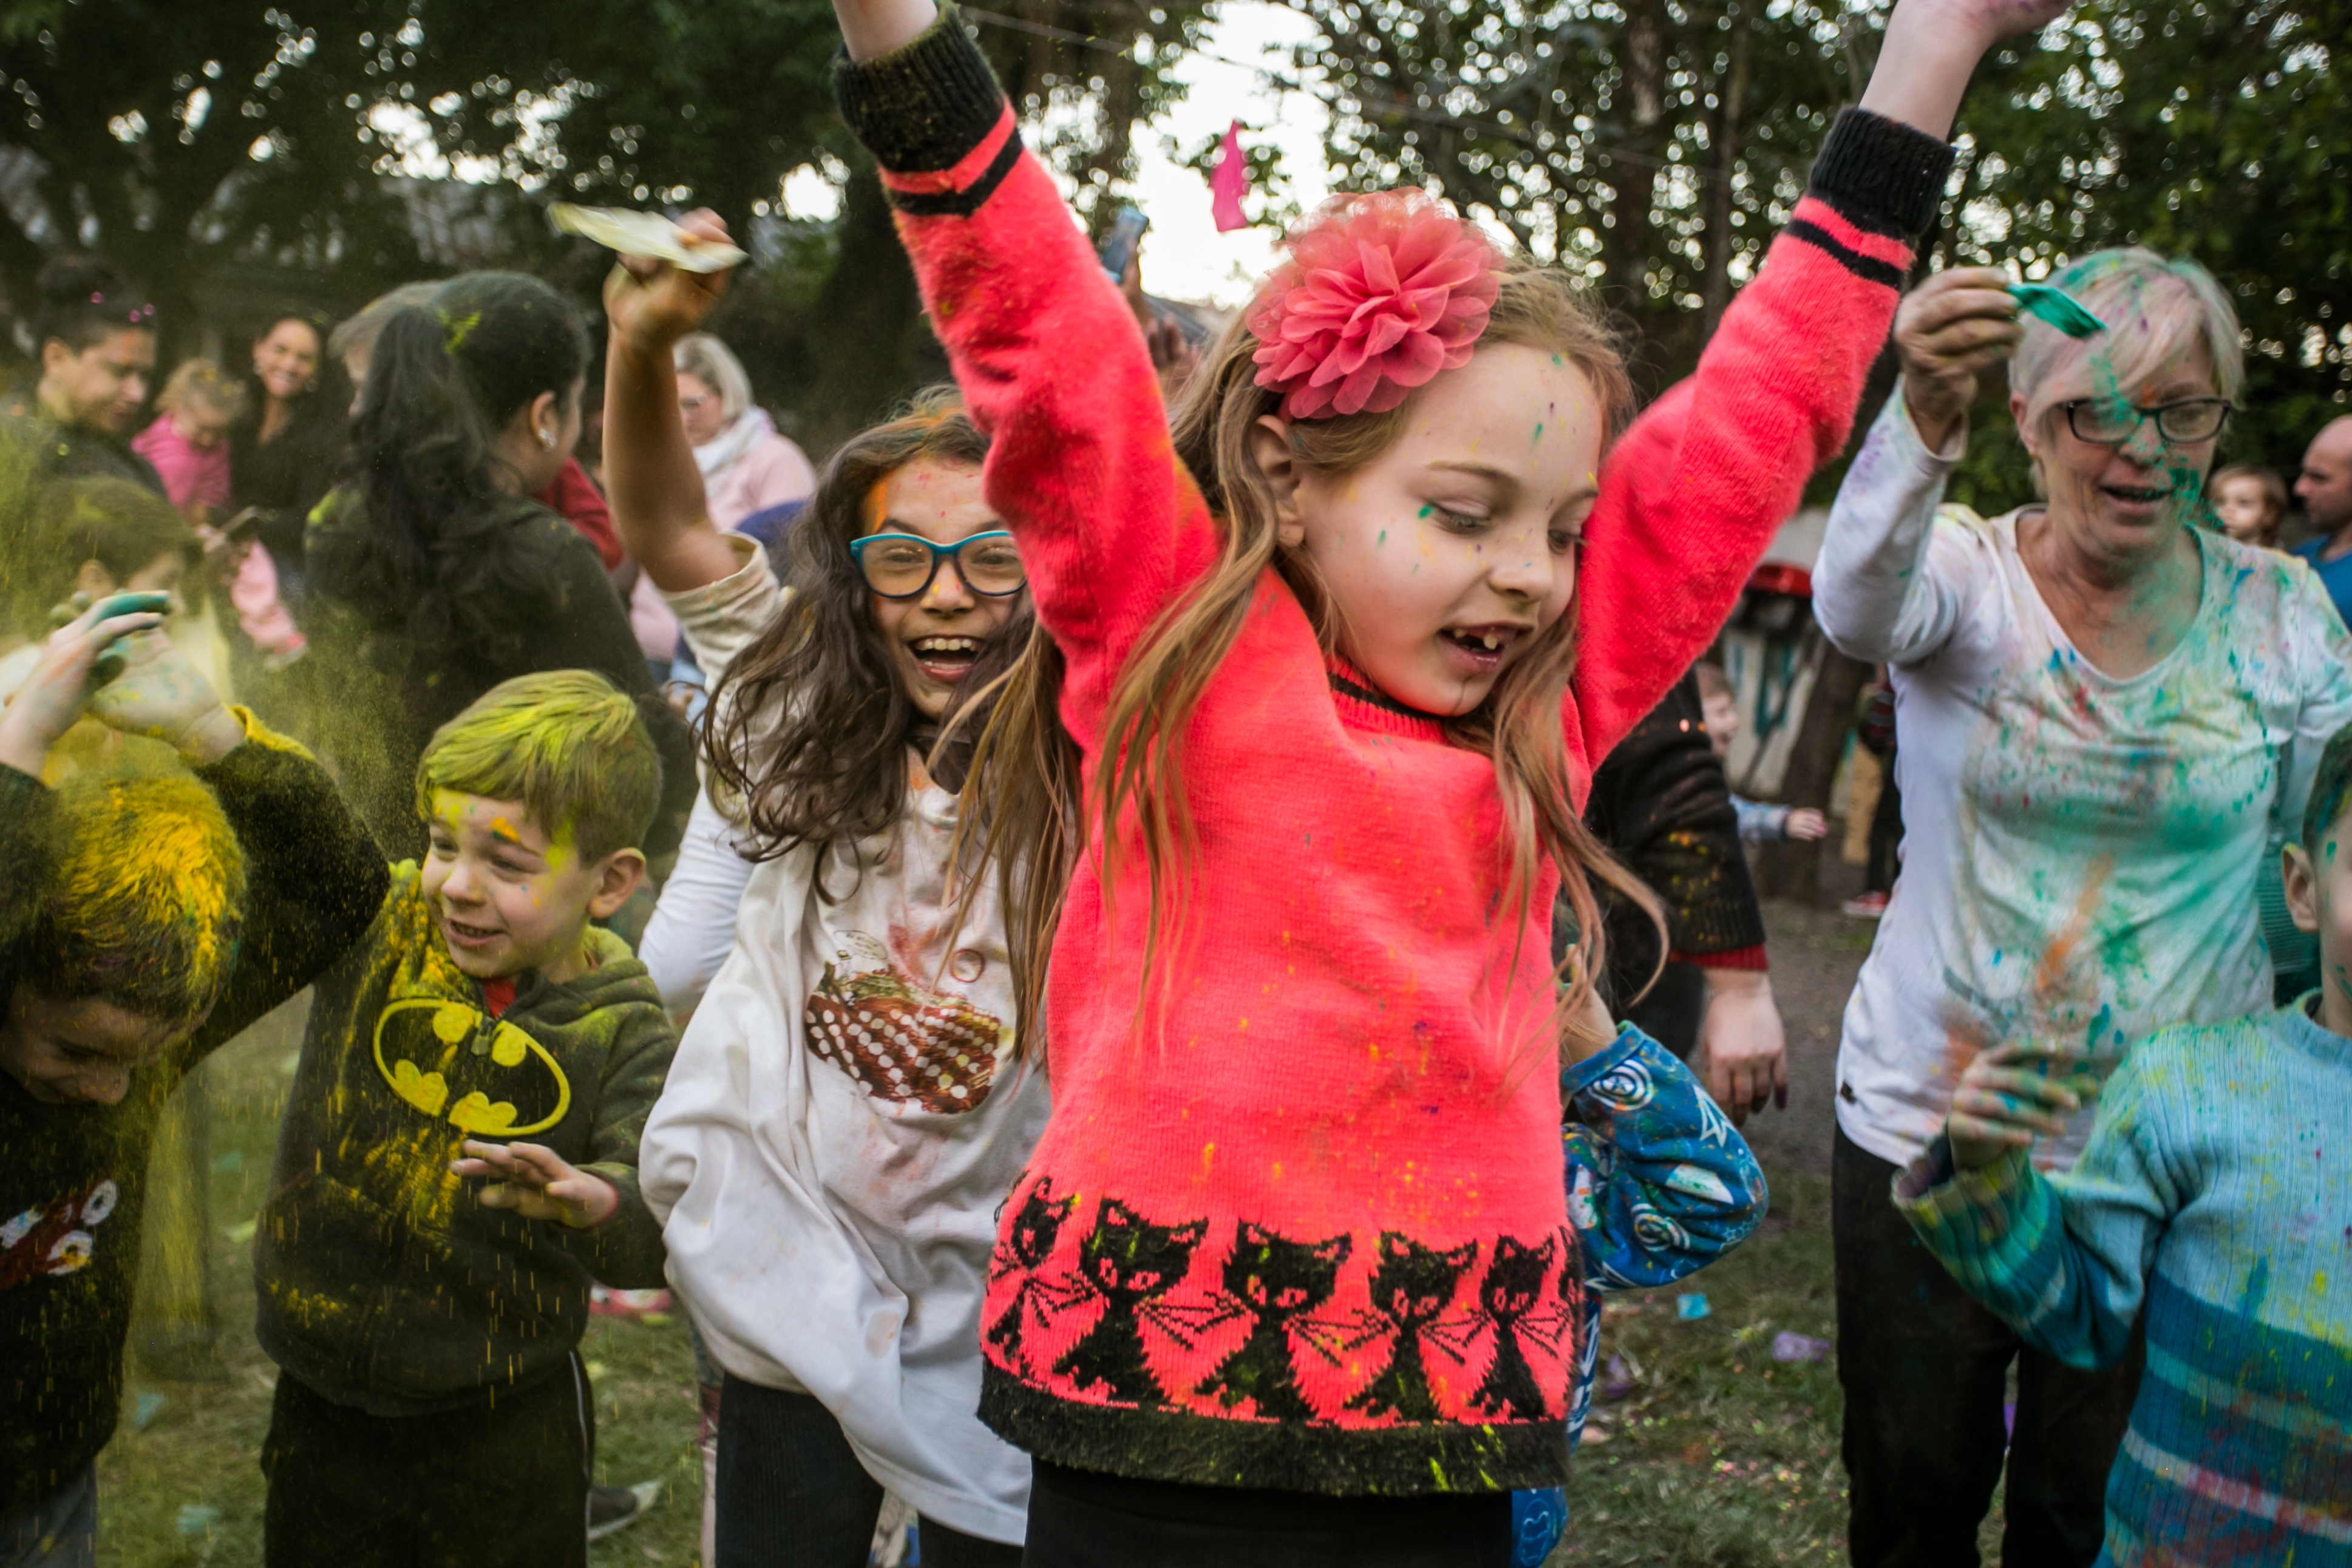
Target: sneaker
[(617, 1508), (1868, 906)]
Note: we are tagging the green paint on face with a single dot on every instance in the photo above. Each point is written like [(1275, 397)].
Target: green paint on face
[(1383, 539), (1426, 510)]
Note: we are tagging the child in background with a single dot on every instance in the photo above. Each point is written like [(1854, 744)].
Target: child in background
[(1291, 1276), (861, 1083), (1759, 823), (431, 1404), (144, 922), (2248, 501), (98, 538), (188, 444), (1660, 1184), (2207, 1209)]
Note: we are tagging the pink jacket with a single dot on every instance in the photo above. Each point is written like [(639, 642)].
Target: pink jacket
[(198, 477)]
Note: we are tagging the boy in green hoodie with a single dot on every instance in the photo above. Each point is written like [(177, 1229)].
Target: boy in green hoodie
[(431, 1406)]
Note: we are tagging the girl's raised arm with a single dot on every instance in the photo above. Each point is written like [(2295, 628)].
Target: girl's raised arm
[(1695, 490), (1053, 367), (650, 475)]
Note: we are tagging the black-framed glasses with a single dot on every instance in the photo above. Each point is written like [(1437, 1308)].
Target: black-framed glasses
[(901, 566), (2109, 422)]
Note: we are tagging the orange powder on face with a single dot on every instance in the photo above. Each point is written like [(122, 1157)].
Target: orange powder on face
[(877, 506)]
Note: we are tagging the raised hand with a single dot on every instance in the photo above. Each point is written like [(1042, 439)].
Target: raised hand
[(1932, 47), (1947, 332), (160, 693), (2012, 1094), (55, 693), (652, 304), (538, 1184)]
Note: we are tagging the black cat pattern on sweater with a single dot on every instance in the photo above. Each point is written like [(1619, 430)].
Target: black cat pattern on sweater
[(1410, 1289), (1276, 1281), (1130, 1262)]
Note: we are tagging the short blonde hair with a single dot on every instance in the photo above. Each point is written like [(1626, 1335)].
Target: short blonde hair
[(568, 744), (2157, 312), (714, 364), (205, 383)]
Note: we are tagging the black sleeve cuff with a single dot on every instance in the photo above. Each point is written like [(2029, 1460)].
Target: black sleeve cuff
[(1881, 175), (918, 109), (1725, 922)]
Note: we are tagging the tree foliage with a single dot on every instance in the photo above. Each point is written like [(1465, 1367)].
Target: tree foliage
[(1657, 144), (211, 143)]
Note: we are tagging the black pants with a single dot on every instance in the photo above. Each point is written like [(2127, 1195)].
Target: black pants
[(503, 1484), (1924, 1370), (793, 1495), (1084, 1518)]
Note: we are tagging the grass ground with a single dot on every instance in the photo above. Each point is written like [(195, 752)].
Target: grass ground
[(1718, 1456)]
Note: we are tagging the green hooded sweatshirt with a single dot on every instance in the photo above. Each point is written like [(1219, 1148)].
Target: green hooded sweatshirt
[(382, 1281)]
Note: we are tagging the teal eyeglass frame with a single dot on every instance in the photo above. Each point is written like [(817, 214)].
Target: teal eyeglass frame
[(950, 552)]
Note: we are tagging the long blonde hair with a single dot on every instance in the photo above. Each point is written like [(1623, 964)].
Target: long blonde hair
[(1153, 701)]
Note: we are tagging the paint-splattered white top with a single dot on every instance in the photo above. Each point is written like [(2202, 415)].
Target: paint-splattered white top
[(2080, 853), (844, 1117)]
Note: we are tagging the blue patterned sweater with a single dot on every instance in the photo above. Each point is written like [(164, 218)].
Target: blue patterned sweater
[(1660, 1184), (2215, 1199)]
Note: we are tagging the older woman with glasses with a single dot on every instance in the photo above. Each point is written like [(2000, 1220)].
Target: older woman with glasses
[(2109, 718)]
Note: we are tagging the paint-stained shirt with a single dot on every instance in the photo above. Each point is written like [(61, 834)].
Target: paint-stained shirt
[(2080, 853), (73, 1177), (846, 1118), (2212, 1204), (381, 1281)]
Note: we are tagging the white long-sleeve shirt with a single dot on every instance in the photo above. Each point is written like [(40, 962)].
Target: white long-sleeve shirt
[(2080, 853), (845, 1116)]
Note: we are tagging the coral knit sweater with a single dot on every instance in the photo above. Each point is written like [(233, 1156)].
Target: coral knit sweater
[(1312, 1234)]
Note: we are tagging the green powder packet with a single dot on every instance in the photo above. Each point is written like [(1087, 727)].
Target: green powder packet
[(2040, 300)]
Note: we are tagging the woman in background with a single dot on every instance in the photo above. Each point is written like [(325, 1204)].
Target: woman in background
[(284, 451), (434, 574), (747, 465)]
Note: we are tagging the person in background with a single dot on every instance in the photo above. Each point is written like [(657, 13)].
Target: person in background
[(1760, 822), (1873, 731), (95, 537), (284, 448), (434, 573), (747, 465), (97, 350), (572, 494), (2250, 503), (188, 444), (1659, 801), (188, 441), (2325, 488), (2217, 1164), (2108, 712), (144, 920)]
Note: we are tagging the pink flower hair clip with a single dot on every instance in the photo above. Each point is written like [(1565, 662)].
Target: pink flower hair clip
[(1381, 293)]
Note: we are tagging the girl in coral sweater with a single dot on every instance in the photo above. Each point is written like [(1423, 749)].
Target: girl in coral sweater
[(1291, 1276)]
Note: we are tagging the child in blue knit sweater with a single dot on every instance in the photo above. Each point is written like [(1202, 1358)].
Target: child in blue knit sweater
[(2214, 1206)]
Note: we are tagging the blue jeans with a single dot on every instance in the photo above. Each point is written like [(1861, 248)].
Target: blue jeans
[(59, 1533)]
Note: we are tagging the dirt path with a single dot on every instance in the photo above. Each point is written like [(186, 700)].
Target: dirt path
[(1815, 955)]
